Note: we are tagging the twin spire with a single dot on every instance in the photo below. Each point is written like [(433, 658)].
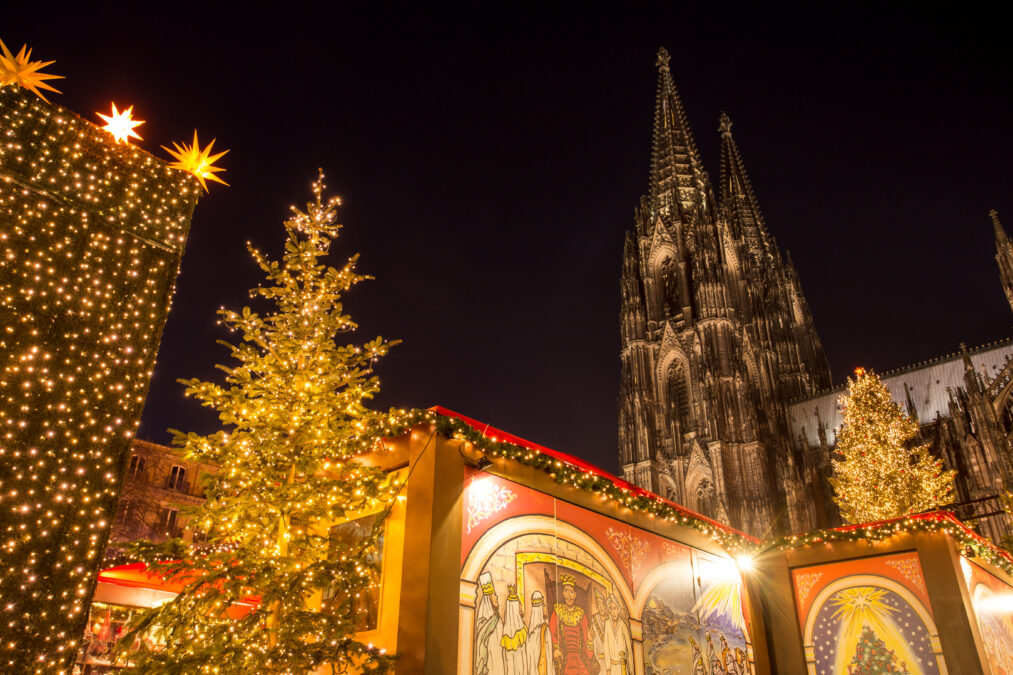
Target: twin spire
[(676, 168)]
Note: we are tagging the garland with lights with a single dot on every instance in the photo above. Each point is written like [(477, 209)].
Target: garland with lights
[(568, 474), (971, 545)]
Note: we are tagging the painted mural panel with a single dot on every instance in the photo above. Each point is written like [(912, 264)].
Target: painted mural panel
[(992, 600), (549, 588), (870, 615)]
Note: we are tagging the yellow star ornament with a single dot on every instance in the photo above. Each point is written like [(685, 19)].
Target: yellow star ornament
[(21, 70), (198, 162), (121, 125)]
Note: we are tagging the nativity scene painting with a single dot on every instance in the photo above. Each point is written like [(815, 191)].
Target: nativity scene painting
[(868, 616), (549, 588)]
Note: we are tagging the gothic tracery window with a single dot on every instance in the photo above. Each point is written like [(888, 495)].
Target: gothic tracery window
[(705, 496), (677, 392), (1007, 415)]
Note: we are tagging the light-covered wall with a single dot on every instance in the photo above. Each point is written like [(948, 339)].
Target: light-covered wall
[(927, 384)]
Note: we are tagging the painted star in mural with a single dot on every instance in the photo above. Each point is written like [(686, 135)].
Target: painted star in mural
[(863, 622)]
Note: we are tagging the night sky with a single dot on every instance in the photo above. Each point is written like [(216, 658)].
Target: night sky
[(490, 158)]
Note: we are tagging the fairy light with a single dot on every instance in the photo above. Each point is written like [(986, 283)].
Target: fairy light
[(91, 235)]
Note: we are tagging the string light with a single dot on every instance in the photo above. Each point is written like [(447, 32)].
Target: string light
[(91, 235), (297, 458), (601, 485), (969, 543)]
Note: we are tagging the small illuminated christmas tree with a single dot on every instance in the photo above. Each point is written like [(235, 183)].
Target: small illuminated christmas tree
[(878, 475), (873, 658), (297, 430)]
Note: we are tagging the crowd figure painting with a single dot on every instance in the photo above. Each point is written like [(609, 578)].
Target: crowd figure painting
[(992, 601), (549, 588)]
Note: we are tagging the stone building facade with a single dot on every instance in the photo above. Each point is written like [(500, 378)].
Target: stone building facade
[(725, 400), (716, 338), (158, 488)]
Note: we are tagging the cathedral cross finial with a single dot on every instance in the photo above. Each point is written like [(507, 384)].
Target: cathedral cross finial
[(1000, 234), (725, 123), (663, 59)]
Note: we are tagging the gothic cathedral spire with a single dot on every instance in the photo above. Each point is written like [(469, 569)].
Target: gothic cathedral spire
[(676, 170), (716, 337), (1003, 256)]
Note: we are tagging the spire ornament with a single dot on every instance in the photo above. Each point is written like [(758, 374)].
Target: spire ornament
[(663, 59), (999, 231), (725, 124)]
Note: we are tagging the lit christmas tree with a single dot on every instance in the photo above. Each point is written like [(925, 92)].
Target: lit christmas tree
[(873, 658), (291, 467), (878, 475)]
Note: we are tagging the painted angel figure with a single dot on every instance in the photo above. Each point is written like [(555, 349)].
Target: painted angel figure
[(539, 645), (515, 636), (488, 654), (618, 642)]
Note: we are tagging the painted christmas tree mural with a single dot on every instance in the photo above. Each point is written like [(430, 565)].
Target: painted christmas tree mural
[(873, 658)]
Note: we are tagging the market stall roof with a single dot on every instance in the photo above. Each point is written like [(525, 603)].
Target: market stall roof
[(495, 434)]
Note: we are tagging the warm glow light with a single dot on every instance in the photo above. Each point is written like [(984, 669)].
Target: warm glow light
[(196, 161), (121, 124), (744, 562), (87, 305), (24, 72)]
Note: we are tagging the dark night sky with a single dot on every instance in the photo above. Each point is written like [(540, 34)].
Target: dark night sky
[(490, 159)]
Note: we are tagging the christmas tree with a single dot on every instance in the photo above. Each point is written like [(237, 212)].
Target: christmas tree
[(873, 658), (877, 474), (291, 467)]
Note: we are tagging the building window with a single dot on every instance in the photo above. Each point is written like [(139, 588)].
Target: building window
[(137, 466), (366, 604), (177, 479), (170, 521)]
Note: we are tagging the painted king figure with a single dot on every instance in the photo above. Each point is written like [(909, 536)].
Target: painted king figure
[(573, 651)]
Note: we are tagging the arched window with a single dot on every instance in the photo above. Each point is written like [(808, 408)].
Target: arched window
[(677, 394), (705, 496), (1007, 414)]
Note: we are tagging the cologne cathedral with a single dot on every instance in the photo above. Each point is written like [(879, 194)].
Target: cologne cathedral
[(725, 402)]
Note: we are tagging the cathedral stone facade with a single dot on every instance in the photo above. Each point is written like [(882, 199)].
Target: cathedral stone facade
[(725, 403), (716, 338)]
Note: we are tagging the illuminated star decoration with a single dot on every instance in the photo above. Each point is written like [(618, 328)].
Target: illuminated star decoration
[(121, 125), (21, 70), (196, 161)]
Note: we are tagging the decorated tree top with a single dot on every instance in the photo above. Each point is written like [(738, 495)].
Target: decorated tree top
[(295, 433), (878, 474)]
